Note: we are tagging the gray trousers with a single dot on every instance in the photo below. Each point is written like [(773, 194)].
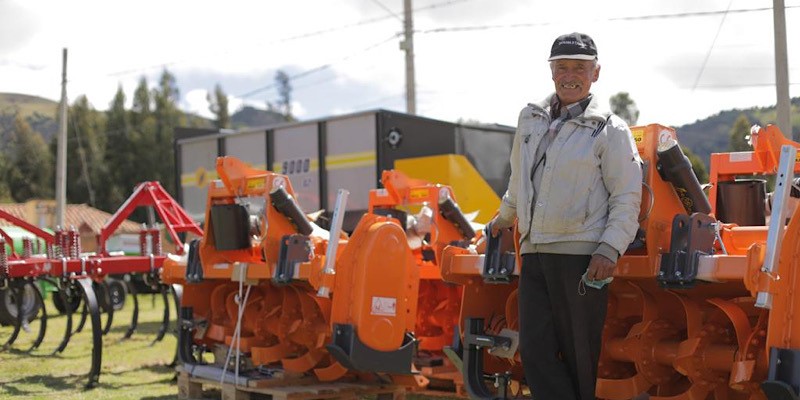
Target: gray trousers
[(560, 330)]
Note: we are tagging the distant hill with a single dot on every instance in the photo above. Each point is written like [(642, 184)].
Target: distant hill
[(41, 115), (39, 112), (251, 116), (712, 134)]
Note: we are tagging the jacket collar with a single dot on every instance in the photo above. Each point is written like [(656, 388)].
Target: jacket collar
[(594, 112)]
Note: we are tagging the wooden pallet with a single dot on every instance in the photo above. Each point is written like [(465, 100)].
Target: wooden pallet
[(286, 388), (444, 381)]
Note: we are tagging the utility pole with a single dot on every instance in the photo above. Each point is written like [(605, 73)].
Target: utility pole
[(408, 45), (61, 149), (784, 121)]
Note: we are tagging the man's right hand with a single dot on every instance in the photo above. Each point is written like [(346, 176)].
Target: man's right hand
[(497, 224)]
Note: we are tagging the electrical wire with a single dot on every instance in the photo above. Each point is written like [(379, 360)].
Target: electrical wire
[(613, 19), (321, 67), (710, 48), (392, 13), (296, 37)]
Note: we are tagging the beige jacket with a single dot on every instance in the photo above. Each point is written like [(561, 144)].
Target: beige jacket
[(588, 201)]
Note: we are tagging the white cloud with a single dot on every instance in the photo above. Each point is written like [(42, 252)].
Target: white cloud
[(196, 102), (298, 110), (481, 74)]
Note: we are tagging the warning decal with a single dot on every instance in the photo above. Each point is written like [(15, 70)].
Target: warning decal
[(384, 306)]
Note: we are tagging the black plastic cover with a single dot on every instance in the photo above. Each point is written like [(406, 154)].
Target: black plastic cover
[(351, 352), (230, 224)]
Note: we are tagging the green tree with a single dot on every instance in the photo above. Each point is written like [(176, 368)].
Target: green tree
[(121, 155), (144, 139), (142, 104), (740, 134), (218, 104), (284, 94), (28, 173), (622, 105), (5, 193), (168, 116), (86, 168)]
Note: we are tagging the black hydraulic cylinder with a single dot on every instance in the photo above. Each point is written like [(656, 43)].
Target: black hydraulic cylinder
[(675, 168), (285, 204)]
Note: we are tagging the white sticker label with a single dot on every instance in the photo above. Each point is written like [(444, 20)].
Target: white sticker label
[(384, 306), (221, 266), (381, 192), (743, 156)]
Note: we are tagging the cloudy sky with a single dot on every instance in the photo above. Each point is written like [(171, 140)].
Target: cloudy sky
[(681, 60)]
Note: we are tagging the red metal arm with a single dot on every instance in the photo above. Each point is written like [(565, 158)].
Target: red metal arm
[(48, 237), (152, 194)]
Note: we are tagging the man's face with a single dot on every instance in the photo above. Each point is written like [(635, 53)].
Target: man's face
[(574, 78)]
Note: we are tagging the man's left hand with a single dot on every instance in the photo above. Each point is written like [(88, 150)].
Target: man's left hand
[(600, 268)]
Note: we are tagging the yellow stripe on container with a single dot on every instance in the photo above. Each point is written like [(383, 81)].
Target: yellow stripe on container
[(200, 178), (350, 160)]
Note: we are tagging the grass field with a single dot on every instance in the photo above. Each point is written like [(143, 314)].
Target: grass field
[(134, 368)]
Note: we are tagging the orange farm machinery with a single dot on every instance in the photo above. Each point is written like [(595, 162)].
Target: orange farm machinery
[(432, 221), (267, 289), (700, 308), (81, 277)]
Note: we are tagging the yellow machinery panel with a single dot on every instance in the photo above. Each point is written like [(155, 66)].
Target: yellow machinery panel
[(454, 170)]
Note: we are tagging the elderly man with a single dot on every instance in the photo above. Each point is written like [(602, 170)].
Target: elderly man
[(575, 190)]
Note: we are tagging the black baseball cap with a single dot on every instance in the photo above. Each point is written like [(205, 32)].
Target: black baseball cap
[(577, 46)]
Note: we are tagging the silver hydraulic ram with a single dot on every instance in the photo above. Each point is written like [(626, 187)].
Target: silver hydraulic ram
[(333, 241)]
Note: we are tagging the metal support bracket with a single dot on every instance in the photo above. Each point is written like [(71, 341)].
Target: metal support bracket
[(783, 185), (692, 236), (194, 267), (498, 266), (294, 249), (475, 341)]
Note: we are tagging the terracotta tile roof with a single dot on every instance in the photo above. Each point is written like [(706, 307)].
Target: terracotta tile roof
[(80, 216)]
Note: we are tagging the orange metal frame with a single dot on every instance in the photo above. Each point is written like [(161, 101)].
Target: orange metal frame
[(708, 341)]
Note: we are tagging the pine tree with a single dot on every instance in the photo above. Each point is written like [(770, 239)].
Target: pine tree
[(142, 107), (285, 94), (144, 141), (120, 155), (5, 193), (28, 172), (740, 134), (218, 104), (168, 116), (86, 168)]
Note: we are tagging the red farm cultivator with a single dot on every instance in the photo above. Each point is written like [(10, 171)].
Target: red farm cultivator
[(82, 277)]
